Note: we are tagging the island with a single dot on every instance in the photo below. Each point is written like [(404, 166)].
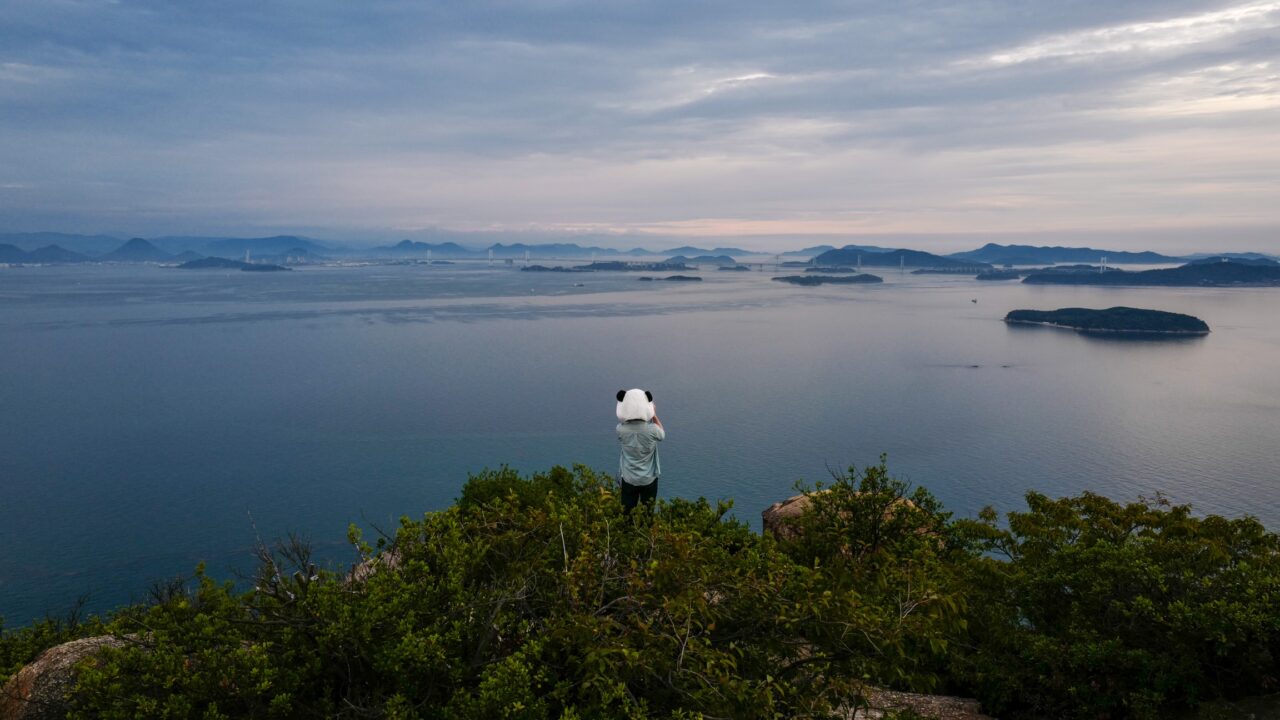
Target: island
[(1039, 255), (719, 260), (1120, 320), (855, 256), (217, 263), (672, 278), (998, 275), (557, 268), (735, 268), (1216, 274), (809, 280), (623, 266)]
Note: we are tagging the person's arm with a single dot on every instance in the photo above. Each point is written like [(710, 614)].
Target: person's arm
[(662, 432)]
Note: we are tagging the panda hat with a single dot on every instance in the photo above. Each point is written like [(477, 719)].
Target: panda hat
[(635, 404)]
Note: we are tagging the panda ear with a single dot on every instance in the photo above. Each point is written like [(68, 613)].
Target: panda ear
[(621, 394), (648, 395)]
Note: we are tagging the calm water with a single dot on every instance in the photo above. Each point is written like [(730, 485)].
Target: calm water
[(152, 418)]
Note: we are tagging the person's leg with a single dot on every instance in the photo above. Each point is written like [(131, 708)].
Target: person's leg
[(649, 493), (630, 496)]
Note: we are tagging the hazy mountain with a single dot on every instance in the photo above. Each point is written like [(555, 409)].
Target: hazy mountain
[(136, 250), (275, 245), (690, 250), (853, 255), (56, 254), (411, 248), (12, 254), (571, 250), (1038, 255), (87, 244), (809, 251)]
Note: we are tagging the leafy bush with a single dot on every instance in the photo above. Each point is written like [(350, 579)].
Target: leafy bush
[(538, 598), (1104, 610), (534, 598)]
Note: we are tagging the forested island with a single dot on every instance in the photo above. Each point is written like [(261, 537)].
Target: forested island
[(217, 263), (809, 280), (1130, 321), (1227, 273), (998, 275)]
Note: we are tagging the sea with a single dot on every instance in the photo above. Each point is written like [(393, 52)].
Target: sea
[(152, 418)]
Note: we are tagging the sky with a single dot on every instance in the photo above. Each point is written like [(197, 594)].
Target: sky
[(772, 125)]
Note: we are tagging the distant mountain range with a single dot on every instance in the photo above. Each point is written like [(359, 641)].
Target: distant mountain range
[(52, 247), (411, 248)]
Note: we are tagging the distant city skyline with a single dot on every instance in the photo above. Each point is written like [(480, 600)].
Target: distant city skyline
[(938, 126)]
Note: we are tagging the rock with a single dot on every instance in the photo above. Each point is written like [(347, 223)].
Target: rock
[(39, 690), (778, 517), (364, 570), (936, 707)]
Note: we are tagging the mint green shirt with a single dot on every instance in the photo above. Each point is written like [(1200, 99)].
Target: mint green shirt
[(638, 464)]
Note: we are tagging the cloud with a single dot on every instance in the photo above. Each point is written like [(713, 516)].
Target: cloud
[(712, 117), (1154, 36)]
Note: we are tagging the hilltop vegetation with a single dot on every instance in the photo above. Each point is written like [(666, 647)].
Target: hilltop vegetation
[(538, 598)]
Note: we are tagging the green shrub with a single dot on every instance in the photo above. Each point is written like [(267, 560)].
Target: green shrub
[(1101, 610), (533, 598), (538, 598)]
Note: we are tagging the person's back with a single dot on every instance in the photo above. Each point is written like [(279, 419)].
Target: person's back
[(639, 433)]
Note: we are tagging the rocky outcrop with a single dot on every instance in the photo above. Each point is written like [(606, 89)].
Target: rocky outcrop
[(365, 569), (39, 690), (935, 707), (779, 518)]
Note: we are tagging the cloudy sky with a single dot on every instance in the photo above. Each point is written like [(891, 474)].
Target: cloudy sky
[(1151, 123)]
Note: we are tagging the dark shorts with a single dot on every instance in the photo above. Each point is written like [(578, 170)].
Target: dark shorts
[(635, 494)]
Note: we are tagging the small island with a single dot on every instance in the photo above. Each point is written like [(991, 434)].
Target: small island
[(998, 275), (217, 263), (623, 266), (809, 280), (557, 268), (1120, 320)]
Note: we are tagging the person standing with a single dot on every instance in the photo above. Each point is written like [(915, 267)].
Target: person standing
[(639, 432)]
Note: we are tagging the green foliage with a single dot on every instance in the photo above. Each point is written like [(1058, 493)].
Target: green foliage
[(1103, 610), (889, 552), (536, 598)]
